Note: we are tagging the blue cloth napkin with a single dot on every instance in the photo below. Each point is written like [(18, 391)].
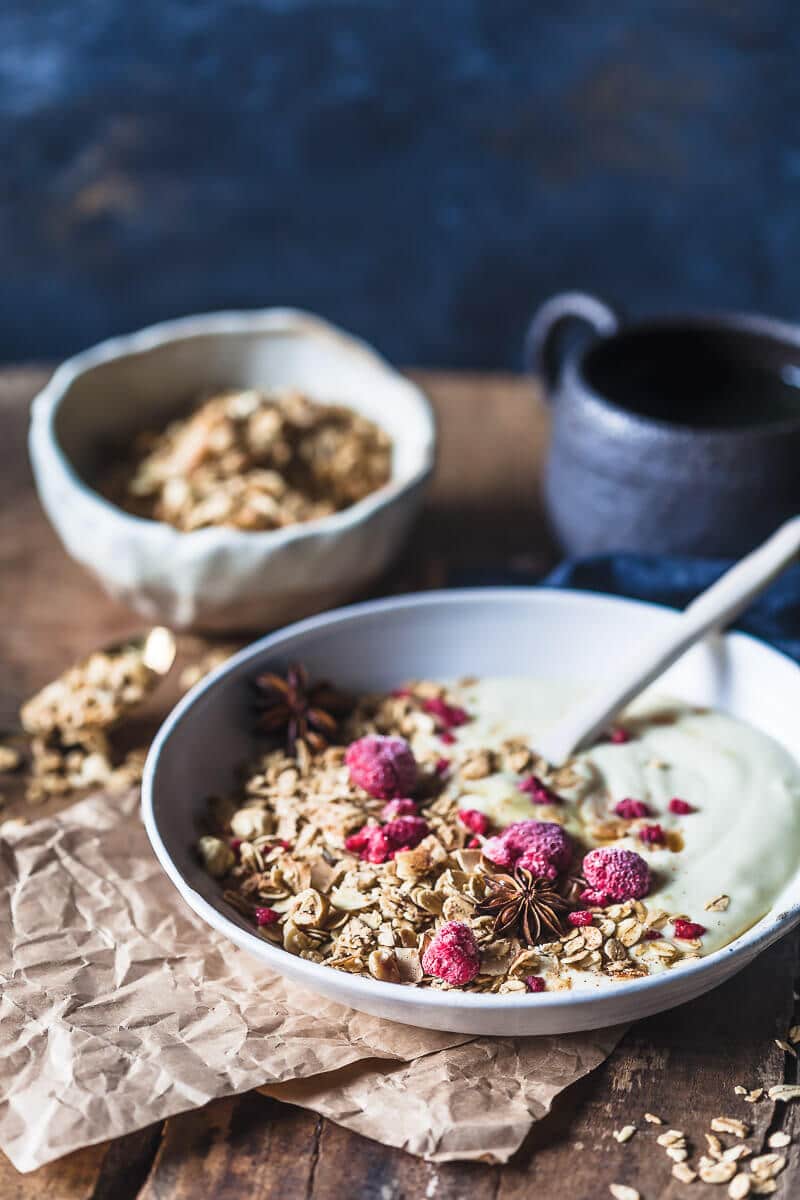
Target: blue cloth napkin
[(775, 616)]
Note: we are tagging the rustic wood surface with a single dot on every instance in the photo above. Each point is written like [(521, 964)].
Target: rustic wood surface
[(483, 512)]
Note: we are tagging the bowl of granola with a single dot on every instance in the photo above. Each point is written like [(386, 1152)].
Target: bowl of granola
[(234, 470), (341, 801)]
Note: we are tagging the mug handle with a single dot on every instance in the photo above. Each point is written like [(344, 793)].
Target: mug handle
[(543, 340)]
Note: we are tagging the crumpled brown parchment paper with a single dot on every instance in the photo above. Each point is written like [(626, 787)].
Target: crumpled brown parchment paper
[(119, 1007)]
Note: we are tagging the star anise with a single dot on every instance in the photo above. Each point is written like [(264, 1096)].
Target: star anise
[(525, 905), (292, 706)]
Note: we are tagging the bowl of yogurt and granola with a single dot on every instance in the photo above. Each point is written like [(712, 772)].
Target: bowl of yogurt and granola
[(358, 800)]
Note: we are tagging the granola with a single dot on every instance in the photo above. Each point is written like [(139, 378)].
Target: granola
[(67, 723), (254, 461), (369, 853)]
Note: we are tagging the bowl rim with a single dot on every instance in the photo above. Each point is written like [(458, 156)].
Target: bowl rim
[(43, 437), (768, 929)]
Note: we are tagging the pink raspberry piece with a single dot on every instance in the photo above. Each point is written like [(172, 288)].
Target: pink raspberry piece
[(534, 983), (448, 738), (370, 843), (404, 833), (619, 736), (377, 843), (383, 766), (398, 808), (652, 835), (453, 954), (630, 810), (581, 917), (450, 715), (266, 916), (473, 819), (442, 766), (538, 791), (474, 843), (614, 874), (681, 808), (542, 847), (688, 930), (651, 935)]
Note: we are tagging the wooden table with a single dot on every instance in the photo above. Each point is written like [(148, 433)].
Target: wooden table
[(483, 511)]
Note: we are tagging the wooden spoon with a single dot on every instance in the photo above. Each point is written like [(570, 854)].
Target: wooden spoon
[(710, 611)]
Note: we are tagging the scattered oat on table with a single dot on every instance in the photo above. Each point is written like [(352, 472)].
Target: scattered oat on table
[(730, 1125), (10, 759), (740, 1187), (621, 1191)]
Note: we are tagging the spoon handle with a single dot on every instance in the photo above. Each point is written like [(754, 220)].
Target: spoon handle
[(711, 610)]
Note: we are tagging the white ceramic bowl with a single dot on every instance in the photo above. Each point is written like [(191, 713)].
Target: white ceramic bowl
[(219, 578), (552, 634)]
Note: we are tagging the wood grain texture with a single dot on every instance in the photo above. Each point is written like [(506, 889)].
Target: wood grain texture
[(483, 511)]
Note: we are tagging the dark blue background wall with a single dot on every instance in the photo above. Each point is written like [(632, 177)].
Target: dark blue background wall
[(422, 172)]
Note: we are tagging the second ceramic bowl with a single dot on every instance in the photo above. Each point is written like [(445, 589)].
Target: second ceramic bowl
[(224, 579)]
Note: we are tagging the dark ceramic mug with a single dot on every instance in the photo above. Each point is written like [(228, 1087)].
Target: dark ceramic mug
[(673, 435)]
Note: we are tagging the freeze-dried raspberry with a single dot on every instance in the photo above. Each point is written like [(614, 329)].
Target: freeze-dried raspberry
[(615, 874), (369, 843), (630, 810), (447, 737), (651, 935), (542, 847), (266, 916), (619, 736), (681, 808), (474, 843), (534, 983), (398, 808), (442, 766), (652, 835), (450, 716), (377, 843), (383, 766), (404, 833), (581, 917), (473, 819), (538, 791), (688, 930), (453, 954), (235, 845)]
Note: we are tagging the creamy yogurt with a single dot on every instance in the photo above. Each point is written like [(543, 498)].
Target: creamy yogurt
[(742, 840)]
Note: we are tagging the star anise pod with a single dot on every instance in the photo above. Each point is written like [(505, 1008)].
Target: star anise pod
[(292, 706), (524, 904)]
